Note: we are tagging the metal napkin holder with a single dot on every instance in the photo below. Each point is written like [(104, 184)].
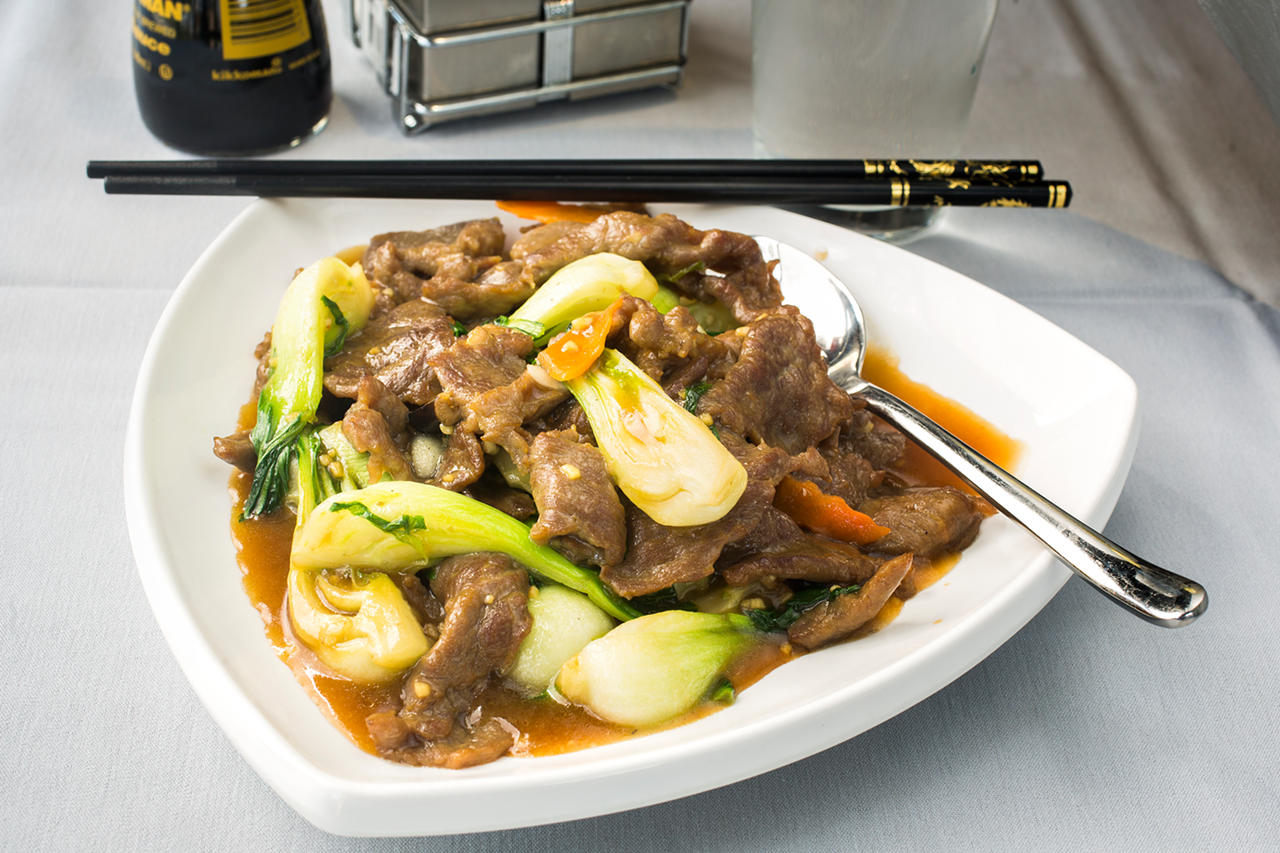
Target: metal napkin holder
[(437, 65)]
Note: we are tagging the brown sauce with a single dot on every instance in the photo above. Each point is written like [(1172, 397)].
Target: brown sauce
[(546, 727)]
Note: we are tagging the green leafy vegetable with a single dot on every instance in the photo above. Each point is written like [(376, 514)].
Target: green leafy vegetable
[(334, 346), (424, 523), (784, 617), (532, 328), (693, 394), (674, 278), (326, 301)]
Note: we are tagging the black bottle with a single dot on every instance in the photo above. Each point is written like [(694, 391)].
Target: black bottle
[(228, 77)]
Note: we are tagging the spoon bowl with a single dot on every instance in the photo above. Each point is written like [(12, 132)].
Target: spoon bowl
[(1146, 590)]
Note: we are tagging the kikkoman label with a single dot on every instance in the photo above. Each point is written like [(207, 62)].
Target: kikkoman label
[(253, 28)]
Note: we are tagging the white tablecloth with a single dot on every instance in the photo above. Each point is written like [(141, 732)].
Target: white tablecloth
[(1087, 730)]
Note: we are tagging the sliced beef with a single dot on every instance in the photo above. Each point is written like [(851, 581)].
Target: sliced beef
[(928, 521), (492, 490), (400, 262), (236, 449), (706, 265), (485, 619), (777, 548), (666, 344), (462, 462), (500, 289), (836, 619), (658, 556), (538, 239), (850, 476), (394, 347), (487, 357), (871, 438), (576, 499), (378, 424), (262, 352), (778, 391), (498, 414)]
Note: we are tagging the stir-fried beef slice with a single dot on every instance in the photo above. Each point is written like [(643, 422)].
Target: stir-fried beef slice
[(850, 477), (658, 556), (398, 262), (493, 491), (539, 238), (479, 741), (395, 348), (486, 617), (567, 415), (236, 449), (462, 462), (498, 290), (576, 499), (378, 424), (927, 521), (778, 391), (392, 284), (427, 609), (836, 619), (475, 237), (871, 438), (778, 548), (485, 358), (262, 352), (668, 247), (660, 343), (497, 415)]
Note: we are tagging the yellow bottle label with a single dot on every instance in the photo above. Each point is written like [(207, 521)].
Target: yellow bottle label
[(253, 28)]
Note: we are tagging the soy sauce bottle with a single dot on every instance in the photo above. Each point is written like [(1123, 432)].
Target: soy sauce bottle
[(231, 77)]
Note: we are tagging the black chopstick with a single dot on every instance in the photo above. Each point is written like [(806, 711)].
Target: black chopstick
[(1002, 171), (729, 189)]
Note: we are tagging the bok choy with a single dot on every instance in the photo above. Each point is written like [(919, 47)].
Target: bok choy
[(588, 284), (397, 526), (650, 670), (326, 302), (663, 458)]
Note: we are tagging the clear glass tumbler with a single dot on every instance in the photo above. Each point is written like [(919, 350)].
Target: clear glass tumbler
[(867, 79)]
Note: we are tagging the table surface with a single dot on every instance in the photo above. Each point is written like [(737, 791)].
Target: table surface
[(1087, 729)]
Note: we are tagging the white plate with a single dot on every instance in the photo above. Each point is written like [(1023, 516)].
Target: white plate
[(964, 340)]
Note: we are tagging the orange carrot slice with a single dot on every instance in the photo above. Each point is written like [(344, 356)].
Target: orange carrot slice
[(550, 211), (824, 514), (571, 353)]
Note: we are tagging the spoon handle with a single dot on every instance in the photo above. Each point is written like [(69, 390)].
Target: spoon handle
[(1155, 594)]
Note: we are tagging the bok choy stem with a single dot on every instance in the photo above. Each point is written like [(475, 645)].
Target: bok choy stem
[(397, 526)]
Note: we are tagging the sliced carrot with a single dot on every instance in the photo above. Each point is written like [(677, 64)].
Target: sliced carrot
[(550, 211), (824, 514), (571, 353)]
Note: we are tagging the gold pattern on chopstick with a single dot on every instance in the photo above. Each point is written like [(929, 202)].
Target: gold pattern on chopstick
[(1005, 202), (988, 171), (1057, 195), (1031, 171), (900, 192), (896, 169), (933, 169), (958, 184), (939, 201), (873, 167)]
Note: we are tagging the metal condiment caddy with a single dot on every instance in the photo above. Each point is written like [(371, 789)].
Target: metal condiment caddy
[(441, 60)]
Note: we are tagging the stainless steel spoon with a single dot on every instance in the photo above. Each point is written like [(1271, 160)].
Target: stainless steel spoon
[(1155, 594)]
